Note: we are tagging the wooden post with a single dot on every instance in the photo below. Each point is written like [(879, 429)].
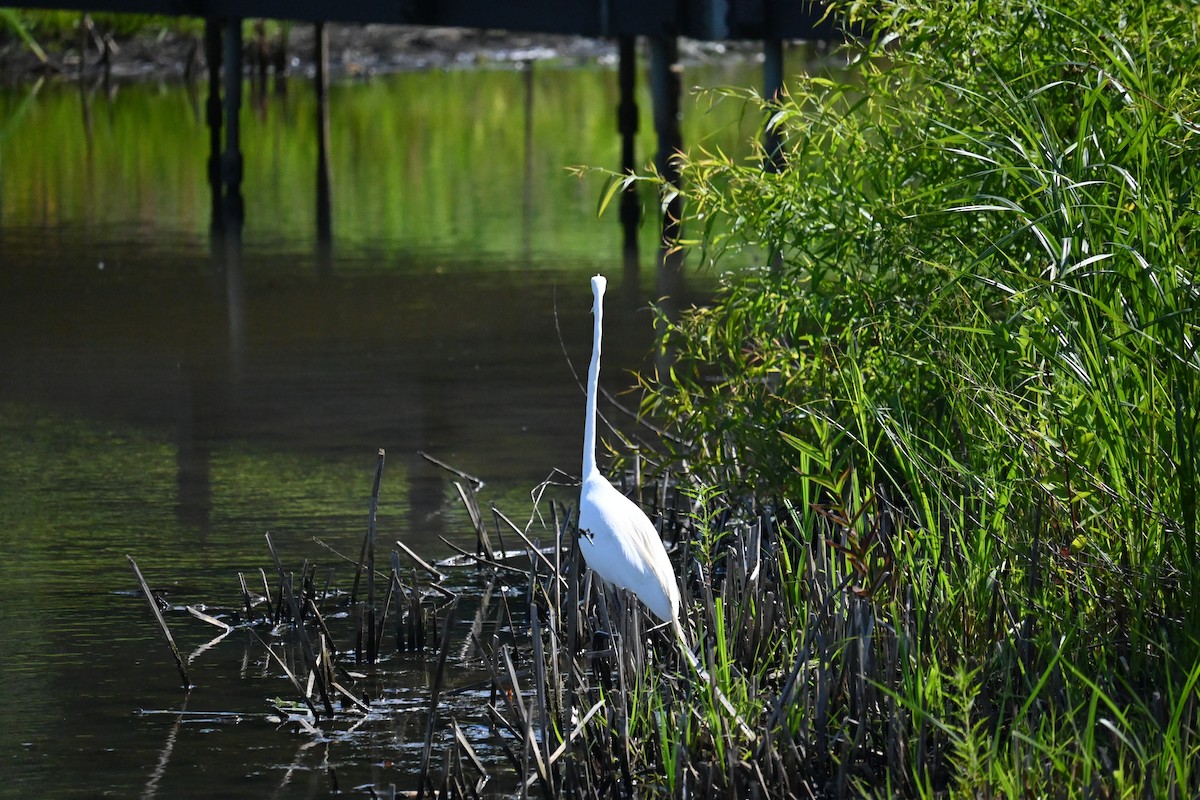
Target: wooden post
[(665, 89), (627, 126), (324, 206), (212, 54), (231, 159)]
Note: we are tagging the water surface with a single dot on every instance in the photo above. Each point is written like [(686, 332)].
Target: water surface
[(164, 398)]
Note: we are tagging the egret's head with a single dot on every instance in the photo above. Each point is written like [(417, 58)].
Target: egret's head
[(599, 282)]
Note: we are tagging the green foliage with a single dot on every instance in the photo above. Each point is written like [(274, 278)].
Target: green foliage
[(12, 24), (981, 304), (58, 27)]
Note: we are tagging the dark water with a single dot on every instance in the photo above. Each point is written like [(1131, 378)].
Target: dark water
[(163, 399)]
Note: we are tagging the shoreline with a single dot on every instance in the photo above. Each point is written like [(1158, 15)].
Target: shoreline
[(355, 51)]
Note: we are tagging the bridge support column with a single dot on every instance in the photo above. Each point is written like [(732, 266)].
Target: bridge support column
[(234, 211), (664, 89), (627, 126)]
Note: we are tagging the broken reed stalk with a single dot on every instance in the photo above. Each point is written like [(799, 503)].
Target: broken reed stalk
[(437, 576), (211, 620), (465, 745), (310, 656), (482, 560), (162, 623), (499, 535), (572, 693), (246, 598), (397, 589), (534, 550), (528, 741), (373, 642), (477, 483), (272, 615), (434, 695), (483, 547), (291, 677), (362, 553), (387, 605), (543, 691), (416, 617), (420, 635)]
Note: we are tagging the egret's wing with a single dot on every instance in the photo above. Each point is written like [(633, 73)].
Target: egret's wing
[(627, 548)]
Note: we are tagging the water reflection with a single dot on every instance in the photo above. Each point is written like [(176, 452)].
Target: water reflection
[(174, 397), (462, 363)]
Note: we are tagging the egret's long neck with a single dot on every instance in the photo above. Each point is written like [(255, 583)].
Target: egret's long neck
[(593, 381)]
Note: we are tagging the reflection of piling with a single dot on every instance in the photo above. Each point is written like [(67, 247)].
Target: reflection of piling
[(280, 59), (627, 126), (527, 183), (230, 247), (261, 61), (212, 54), (324, 211), (231, 159), (665, 88), (193, 454), (85, 26)]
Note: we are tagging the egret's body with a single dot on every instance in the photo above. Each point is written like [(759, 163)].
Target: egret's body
[(623, 548), (617, 538)]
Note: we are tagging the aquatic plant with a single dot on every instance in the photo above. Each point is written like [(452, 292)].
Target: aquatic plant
[(976, 317)]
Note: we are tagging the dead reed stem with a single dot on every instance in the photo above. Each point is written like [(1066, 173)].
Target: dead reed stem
[(162, 623), (310, 656), (435, 691)]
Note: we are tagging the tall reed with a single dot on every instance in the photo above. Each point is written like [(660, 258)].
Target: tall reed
[(981, 325)]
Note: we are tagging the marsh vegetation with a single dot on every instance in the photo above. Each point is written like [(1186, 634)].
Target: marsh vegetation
[(956, 360)]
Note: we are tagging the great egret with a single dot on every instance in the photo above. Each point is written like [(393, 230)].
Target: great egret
[(617, 539)]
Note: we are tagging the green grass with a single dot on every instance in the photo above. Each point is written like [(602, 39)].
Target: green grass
[(45, 28), (972, 371)]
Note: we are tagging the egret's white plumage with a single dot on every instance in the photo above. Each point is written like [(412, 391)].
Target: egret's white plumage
[(622, 547), (616, 538)]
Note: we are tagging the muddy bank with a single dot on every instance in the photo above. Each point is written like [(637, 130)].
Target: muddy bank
[(355, 50)]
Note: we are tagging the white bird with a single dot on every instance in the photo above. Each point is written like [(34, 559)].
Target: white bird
[(616, 537)]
